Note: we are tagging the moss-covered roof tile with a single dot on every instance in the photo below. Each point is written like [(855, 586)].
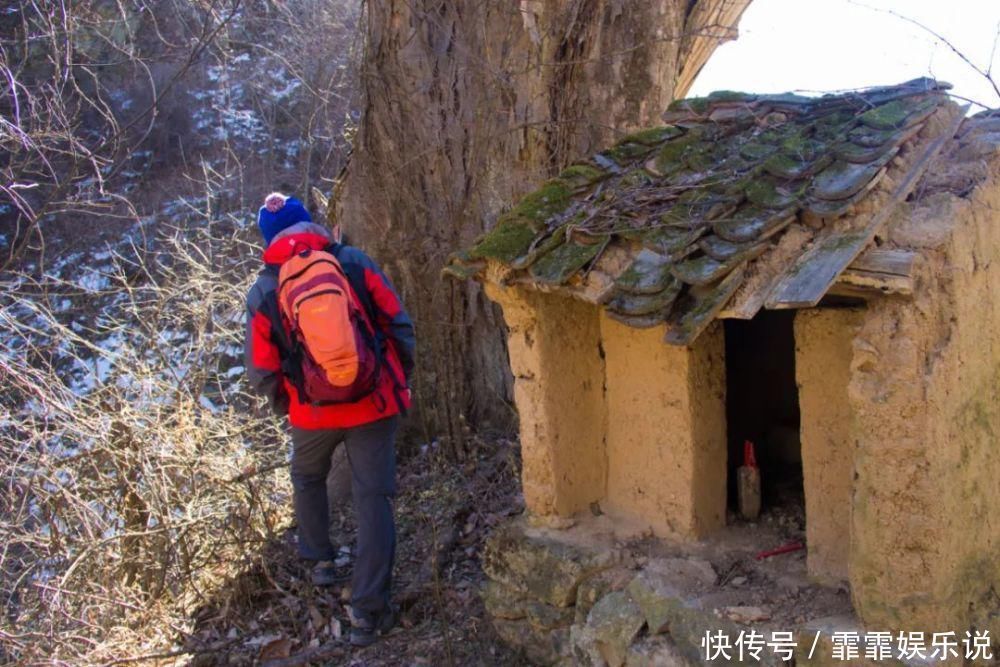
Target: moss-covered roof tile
[(703, 193)]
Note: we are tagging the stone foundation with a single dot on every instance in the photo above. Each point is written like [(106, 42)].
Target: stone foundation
[(578, 597)]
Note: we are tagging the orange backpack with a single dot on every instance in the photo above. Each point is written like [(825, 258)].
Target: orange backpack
[(334, 345)]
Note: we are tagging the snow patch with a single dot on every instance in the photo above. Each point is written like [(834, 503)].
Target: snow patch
[(93, 282)]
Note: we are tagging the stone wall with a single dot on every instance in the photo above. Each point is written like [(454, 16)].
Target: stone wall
[(577, 597), (574, 598)]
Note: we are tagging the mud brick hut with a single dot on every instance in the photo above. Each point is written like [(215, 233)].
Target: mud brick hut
[(817, 275)]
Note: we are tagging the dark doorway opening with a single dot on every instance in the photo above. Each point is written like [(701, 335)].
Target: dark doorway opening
[(762, 406)]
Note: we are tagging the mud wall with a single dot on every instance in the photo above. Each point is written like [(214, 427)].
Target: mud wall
[(925, 550), (555, 356), (823, 339), (666, 437), (969, 390)]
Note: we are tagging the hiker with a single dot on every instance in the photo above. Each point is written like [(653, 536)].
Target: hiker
[(329, 344)]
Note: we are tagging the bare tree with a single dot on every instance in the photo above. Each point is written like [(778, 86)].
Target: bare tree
[(124, 430), (466, 105), (64, 130), (960, 51)]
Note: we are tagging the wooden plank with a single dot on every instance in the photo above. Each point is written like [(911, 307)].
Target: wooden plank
[(875, 273), (874, 283), (878, 271), (839, 291), (805, 283), (708, 302), (746, 305), (886, 260)]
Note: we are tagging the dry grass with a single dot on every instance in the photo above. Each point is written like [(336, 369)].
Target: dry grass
[(121, 446), (131, 534)]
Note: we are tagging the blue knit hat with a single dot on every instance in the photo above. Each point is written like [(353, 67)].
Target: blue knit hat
[(280, 212)]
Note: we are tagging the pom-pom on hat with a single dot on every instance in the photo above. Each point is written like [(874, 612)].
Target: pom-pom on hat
[(280, 212)]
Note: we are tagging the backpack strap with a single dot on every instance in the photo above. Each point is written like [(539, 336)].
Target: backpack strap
[(355, 276), (289, 350)]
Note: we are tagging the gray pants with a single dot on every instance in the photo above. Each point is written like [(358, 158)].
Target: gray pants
[(372, 456)]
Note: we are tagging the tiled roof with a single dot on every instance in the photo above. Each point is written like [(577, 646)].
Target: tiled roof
[(696, 202)]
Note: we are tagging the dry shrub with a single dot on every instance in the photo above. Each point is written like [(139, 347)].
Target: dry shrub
[(122, 440)]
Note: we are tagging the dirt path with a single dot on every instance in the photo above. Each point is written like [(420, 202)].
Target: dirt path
[(271, 614)]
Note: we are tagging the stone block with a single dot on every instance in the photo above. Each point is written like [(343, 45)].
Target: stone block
[(657, 598), (616, 621), (546, 617), (537, 563), (540, 647), (503, 601), (688, 574), (661, 587), (583, 647), (655, 652), (594, 588)]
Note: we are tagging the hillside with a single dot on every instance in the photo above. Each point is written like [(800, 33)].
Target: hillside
[(139, 140)]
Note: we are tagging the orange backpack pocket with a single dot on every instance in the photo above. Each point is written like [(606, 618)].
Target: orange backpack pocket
[(315, 296)]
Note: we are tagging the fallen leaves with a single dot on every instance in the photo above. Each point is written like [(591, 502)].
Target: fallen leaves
[(276, 648)]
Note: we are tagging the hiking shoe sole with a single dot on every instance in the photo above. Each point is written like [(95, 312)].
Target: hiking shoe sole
[(364, 635)]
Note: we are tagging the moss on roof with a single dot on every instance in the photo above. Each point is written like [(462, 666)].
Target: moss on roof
[(702, 194)]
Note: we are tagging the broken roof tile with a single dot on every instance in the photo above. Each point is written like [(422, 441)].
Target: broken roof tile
[(898, 114), (772, 193), (719, 248), (705, 269), (675, 242)]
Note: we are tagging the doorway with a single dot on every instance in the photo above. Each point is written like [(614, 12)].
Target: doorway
[(762, 406)]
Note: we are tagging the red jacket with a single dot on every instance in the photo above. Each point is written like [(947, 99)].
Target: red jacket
[(263, 357)]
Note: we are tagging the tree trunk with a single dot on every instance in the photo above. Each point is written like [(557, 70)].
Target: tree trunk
[(467, 106)]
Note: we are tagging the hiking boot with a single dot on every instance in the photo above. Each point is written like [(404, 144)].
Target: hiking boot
[(365, 631), (326, 573)]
